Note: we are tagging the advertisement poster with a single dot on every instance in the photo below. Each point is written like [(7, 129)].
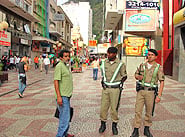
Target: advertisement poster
[(140, 20), (136, 46)]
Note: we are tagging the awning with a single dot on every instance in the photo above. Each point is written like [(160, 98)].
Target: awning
[(179, 17), (38, 38), (56, 33)]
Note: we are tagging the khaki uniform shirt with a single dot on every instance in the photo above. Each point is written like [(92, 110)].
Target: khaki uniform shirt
[(149, 72), (110, 69)]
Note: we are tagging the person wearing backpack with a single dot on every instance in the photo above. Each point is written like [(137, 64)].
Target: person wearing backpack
[(147, 75), (114, 74)]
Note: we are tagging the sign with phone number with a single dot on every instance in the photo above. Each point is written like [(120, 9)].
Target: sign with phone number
[(142, 4)]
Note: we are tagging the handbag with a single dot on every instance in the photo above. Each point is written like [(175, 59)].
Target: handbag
[(57, 113)]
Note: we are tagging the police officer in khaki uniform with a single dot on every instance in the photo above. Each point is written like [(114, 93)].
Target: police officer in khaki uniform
[(148, 74), (114, 74)]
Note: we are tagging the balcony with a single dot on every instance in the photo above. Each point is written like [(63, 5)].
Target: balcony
[(18, 8), (113, 13)]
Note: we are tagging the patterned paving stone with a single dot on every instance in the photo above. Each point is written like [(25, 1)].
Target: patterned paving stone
[(33, 115)]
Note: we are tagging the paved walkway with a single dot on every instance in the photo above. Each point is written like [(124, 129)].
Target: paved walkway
[(33, 115)]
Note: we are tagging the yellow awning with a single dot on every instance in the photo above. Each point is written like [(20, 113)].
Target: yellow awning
[(179, 16)]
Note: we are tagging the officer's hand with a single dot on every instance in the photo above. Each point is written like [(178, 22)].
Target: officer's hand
[(59, 101), (157, 100), (139, 77)]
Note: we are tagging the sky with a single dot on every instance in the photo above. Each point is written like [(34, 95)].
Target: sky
[(59, 2)]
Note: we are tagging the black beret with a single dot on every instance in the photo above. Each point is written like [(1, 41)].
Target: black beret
[(153, 51)]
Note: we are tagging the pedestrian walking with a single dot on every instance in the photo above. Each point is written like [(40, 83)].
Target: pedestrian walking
[(12, 62), (95, 66), (63, 84), (148, 74), (36, 61), (41, 60), (46, 63), (114, 74), (22, 67), (17, 60)]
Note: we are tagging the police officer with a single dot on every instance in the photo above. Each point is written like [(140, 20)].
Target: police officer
[(114, 74), (148, 74)]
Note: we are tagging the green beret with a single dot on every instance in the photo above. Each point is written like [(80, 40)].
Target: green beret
[(153, 51)]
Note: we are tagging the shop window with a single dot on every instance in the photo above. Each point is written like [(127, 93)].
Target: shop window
[(183, 36)]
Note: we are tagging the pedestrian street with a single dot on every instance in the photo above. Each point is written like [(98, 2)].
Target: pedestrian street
[(33, 115)]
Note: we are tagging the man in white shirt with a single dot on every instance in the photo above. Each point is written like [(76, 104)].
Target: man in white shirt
[(12, 62), (17, 60), (46, 63)]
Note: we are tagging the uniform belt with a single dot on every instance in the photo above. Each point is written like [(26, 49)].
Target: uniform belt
[(148, 88), (112, 86)]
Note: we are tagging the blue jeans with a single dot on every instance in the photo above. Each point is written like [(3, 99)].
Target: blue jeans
[(22, 86), (64, 117), (95, 73)]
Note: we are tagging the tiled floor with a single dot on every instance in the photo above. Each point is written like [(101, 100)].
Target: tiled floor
[(33, 115)]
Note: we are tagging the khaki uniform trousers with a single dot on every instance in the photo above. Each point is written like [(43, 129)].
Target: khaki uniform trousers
[(110, 97), (146, 98)]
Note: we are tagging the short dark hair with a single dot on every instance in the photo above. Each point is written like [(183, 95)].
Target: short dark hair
[(61, 54), (153, 51), (112, 50)]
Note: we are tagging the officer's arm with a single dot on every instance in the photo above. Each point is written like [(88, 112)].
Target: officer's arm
[(138, 74), (161, 88)]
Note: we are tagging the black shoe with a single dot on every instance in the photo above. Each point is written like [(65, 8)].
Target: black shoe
[(102, 127), (135, 133), (114, 128), (147, 132)]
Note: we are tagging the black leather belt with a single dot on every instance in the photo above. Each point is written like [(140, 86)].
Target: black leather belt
[(147, 88)]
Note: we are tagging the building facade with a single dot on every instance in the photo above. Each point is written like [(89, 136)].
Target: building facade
[(18, 15), (179, 42), (81, 16), (132, 26)]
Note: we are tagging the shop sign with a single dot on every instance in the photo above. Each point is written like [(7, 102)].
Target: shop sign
[(140, 18), (58, 17), (92, 43), (144, 20), (142, 4), (24, 41), (136, 46), (5, 38)]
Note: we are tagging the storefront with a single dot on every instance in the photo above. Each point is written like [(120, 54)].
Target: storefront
[(179, 46), (21, 43)]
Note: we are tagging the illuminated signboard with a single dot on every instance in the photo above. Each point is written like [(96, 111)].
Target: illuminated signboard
[(143, 20), (92, 43), (5, 38), (142, 4), (136, 46)]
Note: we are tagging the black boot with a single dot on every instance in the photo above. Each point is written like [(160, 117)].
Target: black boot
[(114, 128), (135, 133), (102, 127), (147, 132)]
